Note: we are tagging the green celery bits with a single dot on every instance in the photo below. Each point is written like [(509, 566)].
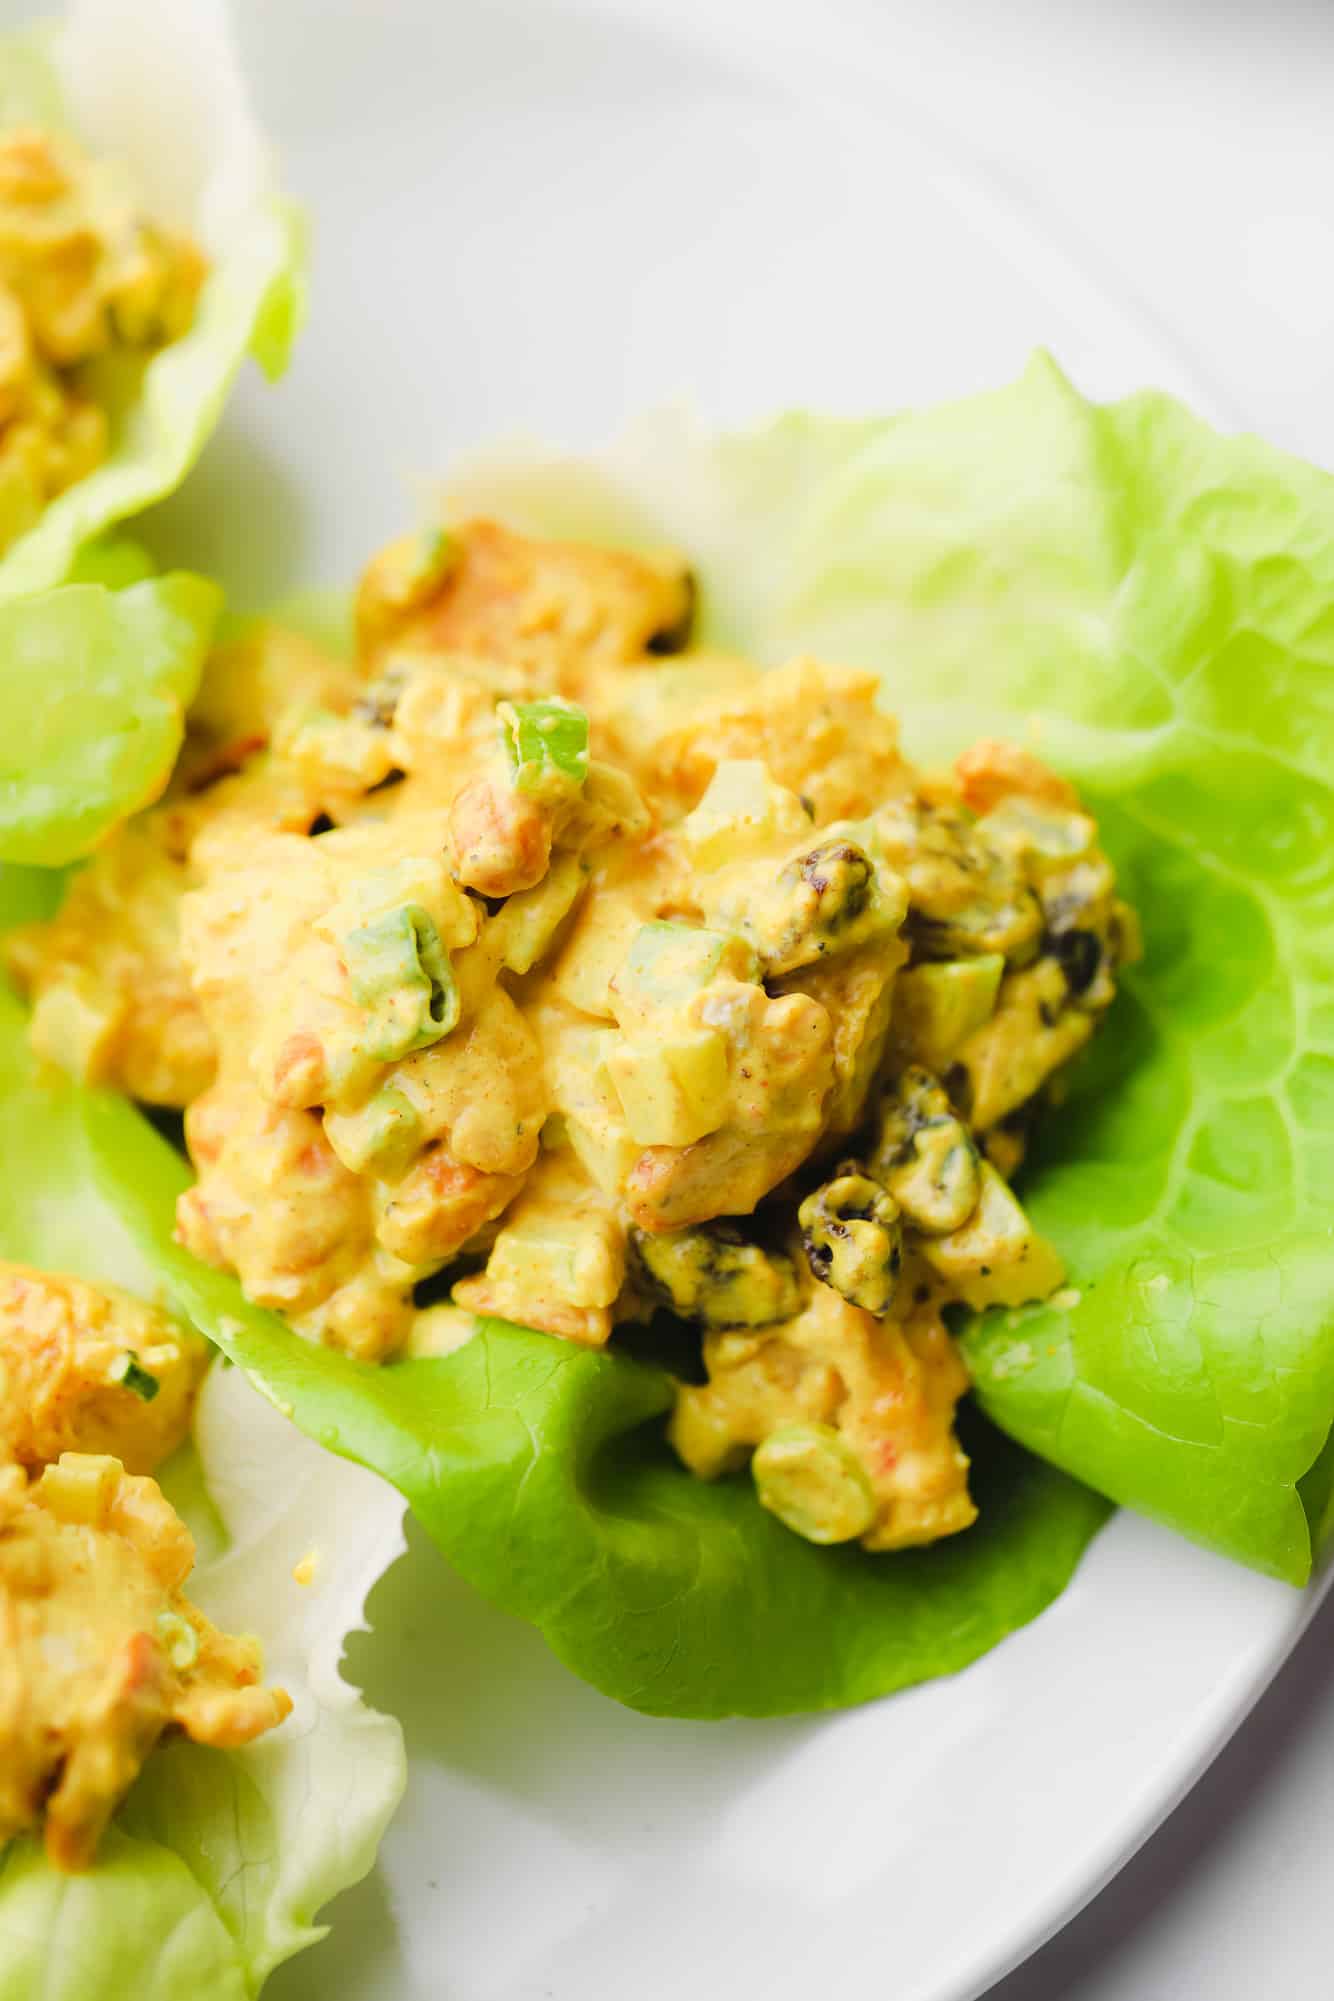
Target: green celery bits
[(127, 1371), (810, 1478), (401, 976), (380, 1137), (547, 743), (179, 1638)]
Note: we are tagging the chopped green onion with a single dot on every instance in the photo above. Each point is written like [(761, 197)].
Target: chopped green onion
[(401, 975), (547, 742), (418, 566), (179, 1638), (436, 553), (126, 1371)]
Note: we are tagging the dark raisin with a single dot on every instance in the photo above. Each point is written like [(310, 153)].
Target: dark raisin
[(839, 863), (959, 1087), (379, 699), (675, 638), (1079, 955)]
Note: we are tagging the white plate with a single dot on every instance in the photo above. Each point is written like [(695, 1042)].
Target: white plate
[(546, 218)]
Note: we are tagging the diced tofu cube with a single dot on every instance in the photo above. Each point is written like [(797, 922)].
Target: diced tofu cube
[(575, 1256), (594, 1122), (672, 1091)]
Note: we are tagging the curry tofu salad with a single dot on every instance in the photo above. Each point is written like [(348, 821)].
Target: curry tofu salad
[(600, 976), (536, 1044)]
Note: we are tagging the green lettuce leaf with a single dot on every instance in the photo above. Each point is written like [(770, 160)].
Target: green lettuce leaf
[(1152, 605), (94, 684), (183, 126), (218, 1862)]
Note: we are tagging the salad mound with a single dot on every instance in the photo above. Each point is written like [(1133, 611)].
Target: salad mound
[(601, 975), (1100, 586), (1152, 599)]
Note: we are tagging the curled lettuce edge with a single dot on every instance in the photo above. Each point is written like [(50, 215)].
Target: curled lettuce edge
[(95, 679), (218, 1863), (253, 300)]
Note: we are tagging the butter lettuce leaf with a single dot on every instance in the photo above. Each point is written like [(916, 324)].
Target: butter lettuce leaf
[(183, 127), (94, 685), (218, 1862), (1151, 605)]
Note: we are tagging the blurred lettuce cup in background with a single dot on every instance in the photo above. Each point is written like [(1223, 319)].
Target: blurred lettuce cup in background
[(186, 1778), (145, 251)]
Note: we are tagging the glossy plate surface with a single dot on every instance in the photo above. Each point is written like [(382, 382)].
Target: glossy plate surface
[(544, 219)]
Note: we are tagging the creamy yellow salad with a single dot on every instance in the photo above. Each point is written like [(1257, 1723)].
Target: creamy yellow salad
[(601, 974), (87, 283), (100, 1650)]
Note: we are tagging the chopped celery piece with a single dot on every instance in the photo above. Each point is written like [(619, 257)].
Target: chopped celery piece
[(401, 975), (668, 962), (937, 1006), (809, 1477), (526, 926), (381, 1136), (547, 742)]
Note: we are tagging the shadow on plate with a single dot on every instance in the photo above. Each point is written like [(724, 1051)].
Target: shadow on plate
[(240, 517), (491, 1716)]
